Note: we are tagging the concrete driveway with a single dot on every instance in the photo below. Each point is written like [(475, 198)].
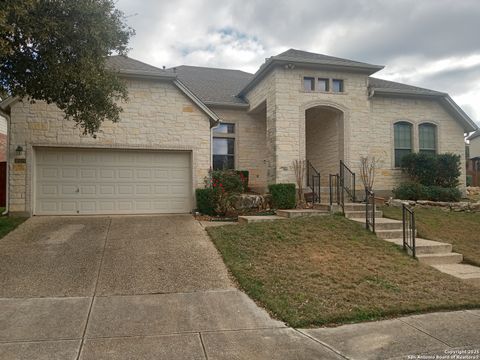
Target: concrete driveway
[(130, 287)]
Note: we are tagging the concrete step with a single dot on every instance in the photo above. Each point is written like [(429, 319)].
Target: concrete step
[(465, 272), (322, 206), (354, 207), (389, 234), (440, 259), (426, 247), (292, 213), (254, 219), (361, 214), (383, 223)]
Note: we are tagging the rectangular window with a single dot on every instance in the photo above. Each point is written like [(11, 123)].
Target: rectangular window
[(309, 83), (223, 153), (224, 129), (337, 85), (403, 141), (323, 85), (427, 139)]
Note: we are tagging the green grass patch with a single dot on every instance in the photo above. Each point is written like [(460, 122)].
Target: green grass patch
[(461, 229), (329, 270), (8, 223)]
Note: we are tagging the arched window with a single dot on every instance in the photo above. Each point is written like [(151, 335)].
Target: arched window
[(403, 140), (427, 138)]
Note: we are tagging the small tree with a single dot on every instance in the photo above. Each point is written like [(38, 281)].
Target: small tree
[(299, 169), (368, 168)]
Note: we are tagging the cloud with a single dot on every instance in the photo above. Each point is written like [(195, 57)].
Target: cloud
[(429, 43)]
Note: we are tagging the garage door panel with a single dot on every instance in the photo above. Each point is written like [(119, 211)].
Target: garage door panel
[(96, 181)]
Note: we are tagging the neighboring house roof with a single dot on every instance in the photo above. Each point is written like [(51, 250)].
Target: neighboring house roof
[(475, 135), (390, 88), (308, 59), (214, 86)]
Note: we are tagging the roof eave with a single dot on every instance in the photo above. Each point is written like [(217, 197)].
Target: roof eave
[(227, 105), (145, 75)]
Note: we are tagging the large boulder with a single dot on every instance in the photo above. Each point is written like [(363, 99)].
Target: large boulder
[(246, 202)]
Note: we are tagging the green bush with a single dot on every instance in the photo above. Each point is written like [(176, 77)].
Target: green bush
[(283, 195), (416, 191), (229, 180), (205, 201), (433, 170), (469, 180)]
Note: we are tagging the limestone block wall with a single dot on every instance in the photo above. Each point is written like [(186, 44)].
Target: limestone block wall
[(157, 116), (385, 111), (264, 94), (324, 141), (250, 144), (292, 101)]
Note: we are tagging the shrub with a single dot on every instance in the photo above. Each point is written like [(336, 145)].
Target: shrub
[(205, 201), (416, 191), (229, 180), (283, 195), (244, 176), (439, 170)]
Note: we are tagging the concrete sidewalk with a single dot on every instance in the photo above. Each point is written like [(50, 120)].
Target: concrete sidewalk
[(155, 288)]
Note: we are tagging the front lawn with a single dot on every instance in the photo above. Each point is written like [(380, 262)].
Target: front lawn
[(8, 223), (461, 229), (329, 270)]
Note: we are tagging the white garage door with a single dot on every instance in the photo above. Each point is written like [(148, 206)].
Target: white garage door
[(101, 181)]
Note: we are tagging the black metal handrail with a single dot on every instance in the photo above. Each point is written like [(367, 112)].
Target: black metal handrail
[(370, 210), (313, 181), (347, 181), (408, 216), (334, 188)]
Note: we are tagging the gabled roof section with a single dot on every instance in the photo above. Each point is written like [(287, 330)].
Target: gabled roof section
[(214, 86), (380, 87), (309, 59), (131, 67)]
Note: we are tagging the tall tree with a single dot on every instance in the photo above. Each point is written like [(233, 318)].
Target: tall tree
[(56, 51)]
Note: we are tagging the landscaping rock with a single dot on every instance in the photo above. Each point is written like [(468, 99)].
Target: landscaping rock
[(247, 202), (446, 206)]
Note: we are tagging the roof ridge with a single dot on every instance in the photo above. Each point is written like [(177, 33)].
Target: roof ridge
[(208, 67)]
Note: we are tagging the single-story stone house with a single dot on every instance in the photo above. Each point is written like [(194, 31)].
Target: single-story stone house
[(180, 122)]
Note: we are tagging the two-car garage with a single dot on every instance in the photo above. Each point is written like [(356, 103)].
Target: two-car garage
[(70, 181)]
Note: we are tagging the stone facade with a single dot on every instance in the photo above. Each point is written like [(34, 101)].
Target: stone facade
[(364, 128), (157, 116)]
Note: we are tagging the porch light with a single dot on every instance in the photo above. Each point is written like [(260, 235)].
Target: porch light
[(19, 150)]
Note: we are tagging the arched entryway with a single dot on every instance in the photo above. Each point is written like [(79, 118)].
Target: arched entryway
[(324, 139)]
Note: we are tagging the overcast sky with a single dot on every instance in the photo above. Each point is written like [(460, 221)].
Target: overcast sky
[(428, 43)]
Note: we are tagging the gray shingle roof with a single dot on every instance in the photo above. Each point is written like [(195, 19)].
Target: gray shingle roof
[(212, 85), (474, 135), (321, 59), (126, 65), (386, 86)]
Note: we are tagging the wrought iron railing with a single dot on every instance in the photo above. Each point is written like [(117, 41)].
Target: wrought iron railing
[(408, 216), (313, 181), (370, 210), (347, 181), (334, 189)]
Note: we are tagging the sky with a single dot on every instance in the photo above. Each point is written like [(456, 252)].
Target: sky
[(428, 43)]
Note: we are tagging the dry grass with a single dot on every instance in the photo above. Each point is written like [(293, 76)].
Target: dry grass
[(328, 270), (460, 229)]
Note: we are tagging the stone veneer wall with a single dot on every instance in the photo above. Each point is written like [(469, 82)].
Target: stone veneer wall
[(157, 116), (367, 123), (385, 111), (324, 141), (250, 144)]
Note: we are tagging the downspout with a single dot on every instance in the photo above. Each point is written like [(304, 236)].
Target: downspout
[(7, 168)]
